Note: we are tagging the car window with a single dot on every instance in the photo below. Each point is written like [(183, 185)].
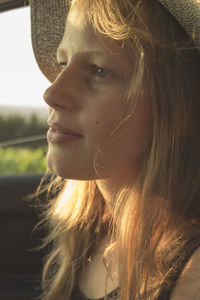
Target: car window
[(23, 112)]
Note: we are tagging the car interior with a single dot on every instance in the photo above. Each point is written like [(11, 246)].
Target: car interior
[(20, 261), (20, 258)]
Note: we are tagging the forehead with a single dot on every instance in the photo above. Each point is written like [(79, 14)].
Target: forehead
[(79, 36)]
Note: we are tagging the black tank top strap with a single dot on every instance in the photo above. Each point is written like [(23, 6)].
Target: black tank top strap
[(168, 287)]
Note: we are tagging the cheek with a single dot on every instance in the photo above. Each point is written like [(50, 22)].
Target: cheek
[(124, 144), (102, 118), (100, 131)]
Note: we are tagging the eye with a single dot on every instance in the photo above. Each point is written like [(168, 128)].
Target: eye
[(99, 72), (62, 65)]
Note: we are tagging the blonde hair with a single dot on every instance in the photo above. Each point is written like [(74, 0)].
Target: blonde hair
[(153, 226)]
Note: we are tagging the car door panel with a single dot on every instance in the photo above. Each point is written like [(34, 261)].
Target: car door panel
[(20, 264)]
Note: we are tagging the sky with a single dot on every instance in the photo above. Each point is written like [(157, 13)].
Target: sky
[(21, 81)]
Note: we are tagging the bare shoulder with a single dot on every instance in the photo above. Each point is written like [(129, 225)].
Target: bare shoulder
[(188, 285)]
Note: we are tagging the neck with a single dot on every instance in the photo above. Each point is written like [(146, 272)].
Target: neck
[(109, 191)]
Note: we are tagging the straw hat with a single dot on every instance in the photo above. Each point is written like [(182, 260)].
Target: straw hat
[(48, 22)]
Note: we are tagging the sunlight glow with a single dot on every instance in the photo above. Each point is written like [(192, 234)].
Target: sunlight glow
[(22, 83), (66, 197)]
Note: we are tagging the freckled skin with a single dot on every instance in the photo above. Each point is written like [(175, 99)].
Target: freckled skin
[(89, 97)]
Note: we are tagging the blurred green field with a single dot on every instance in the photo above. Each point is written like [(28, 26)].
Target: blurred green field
[(18, 160)]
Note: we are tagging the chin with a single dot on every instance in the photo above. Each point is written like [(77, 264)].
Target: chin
[(56, 168), (69, 170)]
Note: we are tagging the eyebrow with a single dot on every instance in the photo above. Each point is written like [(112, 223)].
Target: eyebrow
[(62, 52)]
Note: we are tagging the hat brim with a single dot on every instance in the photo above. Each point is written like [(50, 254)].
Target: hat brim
[(187, 13), (48, 19)]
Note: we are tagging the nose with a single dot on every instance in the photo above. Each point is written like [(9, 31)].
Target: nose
[(62, 92)]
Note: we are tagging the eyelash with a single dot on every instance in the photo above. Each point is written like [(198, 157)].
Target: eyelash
[(96, 71), (99, 72), (62, 65)]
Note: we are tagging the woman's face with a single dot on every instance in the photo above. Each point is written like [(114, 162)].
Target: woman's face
[(87, 102)]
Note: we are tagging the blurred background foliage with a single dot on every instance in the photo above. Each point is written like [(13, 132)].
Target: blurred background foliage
[(15, 126), (22, 158)]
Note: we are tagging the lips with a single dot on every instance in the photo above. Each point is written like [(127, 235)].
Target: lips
[(60, 128), (57, 134)]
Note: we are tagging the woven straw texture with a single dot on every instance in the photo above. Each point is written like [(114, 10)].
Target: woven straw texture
[(48, 22), (187, 13)]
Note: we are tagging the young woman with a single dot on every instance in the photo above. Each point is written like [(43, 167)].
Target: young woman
[(124, 141)]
